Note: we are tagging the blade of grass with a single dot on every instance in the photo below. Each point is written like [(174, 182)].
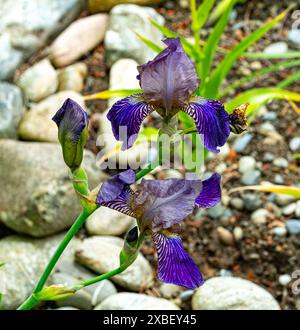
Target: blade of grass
[(219, 74), (263, 56), (275, 67), (112, 93), (203, 12), (149, 43), (289, 80), (278, 189)]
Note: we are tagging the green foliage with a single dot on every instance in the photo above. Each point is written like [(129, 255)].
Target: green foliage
[(277, 189)]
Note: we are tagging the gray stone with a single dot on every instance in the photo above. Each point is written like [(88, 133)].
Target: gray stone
[(241, 143), (294, 36), (78, 39), (259, 216), (39, 81), (186, 295), (284, 279), (276, 48), (279, 231), (238, 234), (101, 255), (27, 25), (268, 157), (295, 143), (278, 179), (297, 211), (11, 110), (293, 226), (237, 203), (289, 209), (251, 178), (169, 291), (120, 39), (284, 199), (281, 162), (216, 211), (270, 116), (39, 199), (24, 259), (246, 164), (100, 291), (252, 201), (105, 221), (225, 273), (67, 308), (232, 293), (37, 125), (134, 301), (72, 77)]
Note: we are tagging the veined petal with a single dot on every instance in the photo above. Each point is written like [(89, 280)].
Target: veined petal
[(174, 264), (212, 122), (170, 78), (126, 117), (211, 192), (160, 204), (114, 186)]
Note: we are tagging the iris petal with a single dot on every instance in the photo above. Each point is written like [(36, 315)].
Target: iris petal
[(174, 264), (170, 78), (212, 122), (211, 192), (129, 113)]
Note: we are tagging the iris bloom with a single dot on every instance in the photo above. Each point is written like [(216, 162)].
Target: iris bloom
[(72, 123), (159, 207), (168, 83)]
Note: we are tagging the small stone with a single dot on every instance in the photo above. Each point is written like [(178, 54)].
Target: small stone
[(289, 209), (95, 6), (105, 221), (256, 65), (246, 164), (270, 116), (224, 151), (39, 81), (281, 162), (66, 308), (251, 178), (238, 234), (279, 231), (78, 39), (268, 157), (173, 174), (259, 216), (225, 273), (169, 291), (284, 279), (276, 48), (221, 168), (184, 4), (225, 236), (295, 143), (232, 293), (72, 77), (266, 128), (284, 199), (101, 291), (294, 36), (278, 179), (134, 301), (11, 110), (237, 203), (216, 211), (252, 201), (293, 226), (297, 211), (186, 295), (241, 143)]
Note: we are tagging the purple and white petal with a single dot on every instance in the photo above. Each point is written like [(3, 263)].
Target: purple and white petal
[(169, 79), (211, 192), (174, 264), (126, 117), (163, 203), (114, 186), (211, 120)]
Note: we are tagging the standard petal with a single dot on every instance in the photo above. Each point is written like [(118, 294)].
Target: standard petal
[(169, 79), (211, 192), (212, 122), (163, 203), (174, 264), (114, 186), (126, 117)]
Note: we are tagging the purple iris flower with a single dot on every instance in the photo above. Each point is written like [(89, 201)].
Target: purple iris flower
[(159, 206), (168, 83)]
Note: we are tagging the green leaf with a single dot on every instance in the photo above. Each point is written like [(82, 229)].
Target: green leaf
[(147, 134), (263, 56), (269, 69), (186, 120), (212, 43), (149, 43), (2, 264), (219, 74), (112, 93), (260, 96), (203, 12), (289, 80), (296, 156), (277, 189)]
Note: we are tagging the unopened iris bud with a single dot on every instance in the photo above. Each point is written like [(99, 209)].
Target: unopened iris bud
[(130, 248), (238, 119), (54, 292), (72, 123)]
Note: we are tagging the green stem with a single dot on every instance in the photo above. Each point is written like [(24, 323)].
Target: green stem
[(195, 29)]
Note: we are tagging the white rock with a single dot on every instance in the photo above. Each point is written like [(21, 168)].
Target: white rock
[(238, 234), (232, 293), (134, 301), (105, 221), (39, 81), (247, 163), (284, 279), (101, 254), (260, 216), (276, 48)]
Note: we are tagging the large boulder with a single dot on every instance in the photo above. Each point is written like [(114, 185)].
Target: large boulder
[(37, 196), (120, 38), (26, 25)]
